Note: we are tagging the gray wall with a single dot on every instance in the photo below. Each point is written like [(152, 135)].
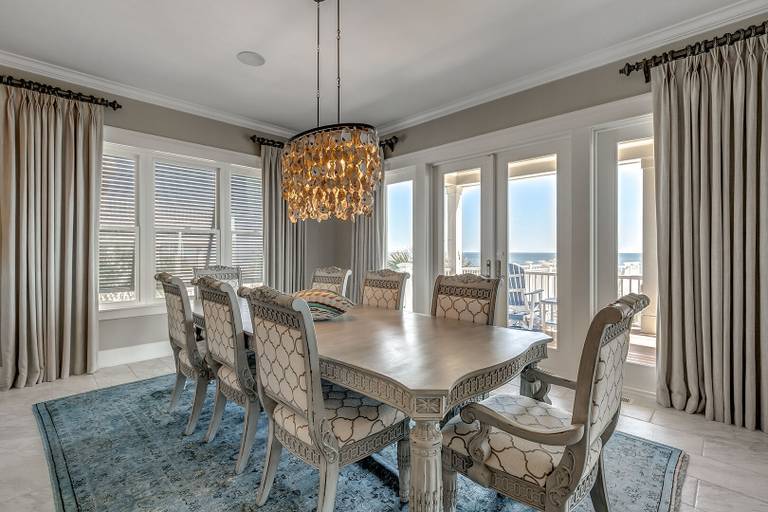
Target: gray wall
[(576, 92)]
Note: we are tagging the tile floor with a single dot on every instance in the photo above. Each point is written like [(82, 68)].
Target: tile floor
[(728, 468)]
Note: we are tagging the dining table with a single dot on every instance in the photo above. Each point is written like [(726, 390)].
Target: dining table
[(423, 365)]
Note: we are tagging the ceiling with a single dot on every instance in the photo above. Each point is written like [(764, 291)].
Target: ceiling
[(402, 61)]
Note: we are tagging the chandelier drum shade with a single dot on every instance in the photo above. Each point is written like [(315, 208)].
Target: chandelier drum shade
[(331, 170)]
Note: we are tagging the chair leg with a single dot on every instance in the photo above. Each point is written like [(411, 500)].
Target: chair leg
[(218, 412), (599, 491), (252, 410), (449, 490), (404, 468), (181, 380), (201, 388), (274, 449), (329, 479)]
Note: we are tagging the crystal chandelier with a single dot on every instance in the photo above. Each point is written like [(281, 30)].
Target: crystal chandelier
[(331, 170)]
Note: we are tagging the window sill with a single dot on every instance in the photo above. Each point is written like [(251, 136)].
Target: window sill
[(113, 312)]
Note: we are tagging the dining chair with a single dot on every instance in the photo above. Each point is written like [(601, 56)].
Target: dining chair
[(230, 275), (539, 454), (233, 364), (325, 425), (188, 353), (334, 279), (384, 289), (465, 297)]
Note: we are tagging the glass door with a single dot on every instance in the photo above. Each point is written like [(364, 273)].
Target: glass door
[(625, 228), (527, 238), (464, 233)]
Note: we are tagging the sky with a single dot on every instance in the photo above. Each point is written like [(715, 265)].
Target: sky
[(531, 210)]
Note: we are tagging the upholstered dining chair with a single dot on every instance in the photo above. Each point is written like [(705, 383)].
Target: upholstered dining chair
[(233, 365), (465, 297), (538, 454), (325, 425), (230, 275), (334, 279), (384, 289), (188, 353)]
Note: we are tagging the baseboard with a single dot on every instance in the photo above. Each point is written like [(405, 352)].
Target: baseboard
[(641, 393), (134, 353)]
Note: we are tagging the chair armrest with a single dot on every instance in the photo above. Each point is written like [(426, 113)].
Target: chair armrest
[(537, 374), (564, 436)]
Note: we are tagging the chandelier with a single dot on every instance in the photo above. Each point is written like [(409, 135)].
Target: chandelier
[(332, 170)]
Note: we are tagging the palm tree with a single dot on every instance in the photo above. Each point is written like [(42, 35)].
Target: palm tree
[(398, 257)]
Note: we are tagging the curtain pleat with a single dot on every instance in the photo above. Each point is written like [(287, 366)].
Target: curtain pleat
[(367, 243), (51, 156), (284, 241), (710, 114)]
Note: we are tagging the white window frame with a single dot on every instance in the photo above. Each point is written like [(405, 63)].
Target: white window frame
[(148, 149)]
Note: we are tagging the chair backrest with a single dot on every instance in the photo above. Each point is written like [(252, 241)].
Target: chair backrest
[(286, 353), (465, 297), (230, 275), (384, 289), (516, 285), (334, 279), (601, 370), (181, 329), (224, 327)]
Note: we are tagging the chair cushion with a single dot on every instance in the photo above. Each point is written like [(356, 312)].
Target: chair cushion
[(353, 416), (184, 356), (518, 457)]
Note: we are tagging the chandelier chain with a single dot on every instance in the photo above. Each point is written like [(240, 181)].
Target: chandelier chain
[(317, 92), (338, 61)]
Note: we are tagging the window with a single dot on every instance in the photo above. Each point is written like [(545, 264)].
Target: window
[(118, 230), (184, 219), (247, 225), (165, 211), (399, 198)]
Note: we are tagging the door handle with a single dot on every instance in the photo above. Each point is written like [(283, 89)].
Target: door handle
[(488, 268), (499, 275)]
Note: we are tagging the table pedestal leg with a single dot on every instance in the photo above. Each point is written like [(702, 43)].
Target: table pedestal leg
[(426, 467), (534, 388)]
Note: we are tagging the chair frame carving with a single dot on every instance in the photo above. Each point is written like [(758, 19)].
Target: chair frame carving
[(332, 275), (200, 371), (567, 485), (388, 279), (218, 272), (469, 286), (324, 452)]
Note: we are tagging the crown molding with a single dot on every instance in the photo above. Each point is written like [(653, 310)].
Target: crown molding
[(703, 23), (111, 87)]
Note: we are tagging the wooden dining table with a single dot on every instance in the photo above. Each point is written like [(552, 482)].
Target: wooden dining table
[(420, 364)]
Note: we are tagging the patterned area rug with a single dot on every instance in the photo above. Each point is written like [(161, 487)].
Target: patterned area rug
[(119, 449)]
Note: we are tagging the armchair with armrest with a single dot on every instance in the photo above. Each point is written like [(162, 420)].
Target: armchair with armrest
[(539, 454)]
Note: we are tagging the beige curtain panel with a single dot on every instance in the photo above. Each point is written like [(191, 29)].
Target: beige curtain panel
[(367, 242), (711, 132), (284, 241), (50, 151)]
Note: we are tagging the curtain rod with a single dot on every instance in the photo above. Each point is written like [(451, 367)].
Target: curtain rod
[(58, 91), (388, 143), (693, 49)]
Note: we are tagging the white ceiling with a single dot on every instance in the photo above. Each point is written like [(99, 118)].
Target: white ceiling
[(403, 61)]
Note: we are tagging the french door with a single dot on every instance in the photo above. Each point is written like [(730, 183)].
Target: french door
[(498, 216)]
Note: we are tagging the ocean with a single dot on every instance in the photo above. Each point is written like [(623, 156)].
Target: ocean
[(472, 259)]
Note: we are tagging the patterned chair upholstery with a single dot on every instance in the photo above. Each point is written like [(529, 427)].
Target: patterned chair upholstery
[(334, 279), (384, 289), (232, 363), (325, 425), (188, 353), (465, 297), (233, 276), (538, 454)]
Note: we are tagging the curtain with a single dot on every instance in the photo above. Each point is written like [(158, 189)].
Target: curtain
[(367, 242), (50, 151), (284, 241), (711, 151)]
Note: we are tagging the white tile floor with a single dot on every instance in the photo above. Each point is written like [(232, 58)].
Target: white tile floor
[(728, 468)]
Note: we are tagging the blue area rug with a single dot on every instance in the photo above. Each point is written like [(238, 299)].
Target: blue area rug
[(119, 449)]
